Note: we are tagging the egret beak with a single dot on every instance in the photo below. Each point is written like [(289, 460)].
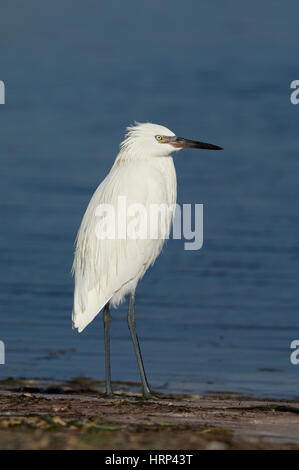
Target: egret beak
[(180, 142)]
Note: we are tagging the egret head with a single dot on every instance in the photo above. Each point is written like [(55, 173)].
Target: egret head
[(157, 141)]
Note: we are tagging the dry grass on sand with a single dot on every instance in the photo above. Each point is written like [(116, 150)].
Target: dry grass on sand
[(36, 414)]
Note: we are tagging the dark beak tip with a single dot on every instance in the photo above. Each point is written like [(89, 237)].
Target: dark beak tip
[(209, 147), (181, 142)]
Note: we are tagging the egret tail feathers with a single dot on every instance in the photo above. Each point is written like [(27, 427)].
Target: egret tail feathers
[(81, 318)]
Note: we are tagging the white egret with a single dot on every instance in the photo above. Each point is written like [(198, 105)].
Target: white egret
[(107, 269)]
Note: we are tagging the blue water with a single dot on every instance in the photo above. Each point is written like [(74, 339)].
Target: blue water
[(76, 74)]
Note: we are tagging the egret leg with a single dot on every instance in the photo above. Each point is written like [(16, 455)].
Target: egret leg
[(132, 328), (107, 320)]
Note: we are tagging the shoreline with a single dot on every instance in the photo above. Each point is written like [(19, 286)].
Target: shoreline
[(75, 414)]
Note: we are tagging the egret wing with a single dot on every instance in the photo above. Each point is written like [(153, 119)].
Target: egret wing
[(107, 268)]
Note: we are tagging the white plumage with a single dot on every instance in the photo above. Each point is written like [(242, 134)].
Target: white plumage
[(106, 270)]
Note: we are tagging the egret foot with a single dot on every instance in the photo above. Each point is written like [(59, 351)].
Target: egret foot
[(149, 396)]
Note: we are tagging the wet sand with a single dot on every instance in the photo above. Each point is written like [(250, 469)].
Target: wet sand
[(41, 414)]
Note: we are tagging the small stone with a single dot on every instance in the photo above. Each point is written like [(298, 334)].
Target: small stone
[(216, 445)]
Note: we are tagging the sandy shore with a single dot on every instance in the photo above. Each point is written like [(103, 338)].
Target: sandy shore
[(38, 414)]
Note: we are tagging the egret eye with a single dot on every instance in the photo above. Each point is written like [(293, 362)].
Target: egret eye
[(159, 138)]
